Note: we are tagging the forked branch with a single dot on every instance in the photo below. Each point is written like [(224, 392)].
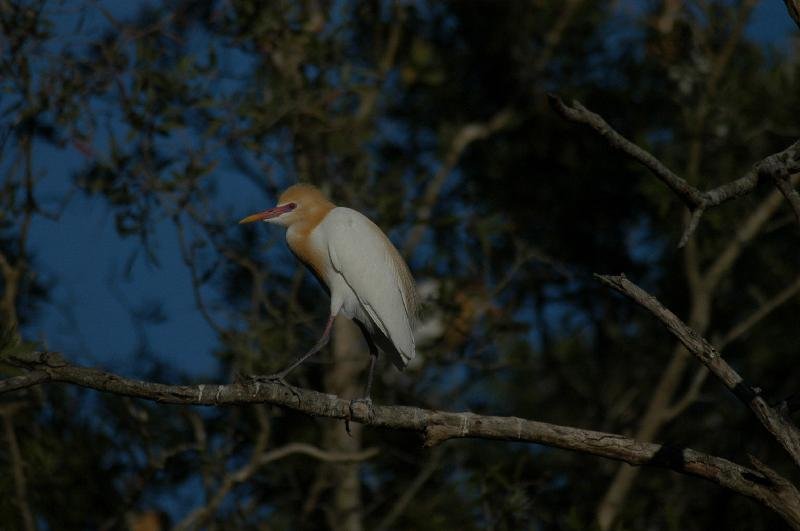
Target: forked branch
[(776, 167), (778, 424)]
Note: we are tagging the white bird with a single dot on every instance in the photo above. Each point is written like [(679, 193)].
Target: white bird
[(366, 277)]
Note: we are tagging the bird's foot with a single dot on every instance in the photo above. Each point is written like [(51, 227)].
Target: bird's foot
[(277, 378), (360, 408)]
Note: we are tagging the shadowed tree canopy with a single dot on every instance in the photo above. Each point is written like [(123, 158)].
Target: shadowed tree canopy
[(177, 118)]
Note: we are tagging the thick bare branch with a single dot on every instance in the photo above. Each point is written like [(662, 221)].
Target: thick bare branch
[(663, 406), (734, 333), (439, 426), (784, 431)]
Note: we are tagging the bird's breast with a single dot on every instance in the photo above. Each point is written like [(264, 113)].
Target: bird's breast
[(306, 244)]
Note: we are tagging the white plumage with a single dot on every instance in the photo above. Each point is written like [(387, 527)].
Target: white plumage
[(369, 281), (366, 277)]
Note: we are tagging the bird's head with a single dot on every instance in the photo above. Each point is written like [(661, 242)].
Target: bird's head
[(300, 202)]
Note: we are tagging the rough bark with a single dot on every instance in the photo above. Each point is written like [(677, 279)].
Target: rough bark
[(778, 424), (759, 483)]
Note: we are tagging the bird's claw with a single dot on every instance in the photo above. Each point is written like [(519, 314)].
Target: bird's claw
[(358, 407)]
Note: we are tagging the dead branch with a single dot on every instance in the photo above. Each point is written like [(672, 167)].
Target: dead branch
[(734, 333), (439, 426), (781, 427), (775, 167)]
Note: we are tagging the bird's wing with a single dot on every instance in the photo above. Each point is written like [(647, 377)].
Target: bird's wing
[(377, 274)]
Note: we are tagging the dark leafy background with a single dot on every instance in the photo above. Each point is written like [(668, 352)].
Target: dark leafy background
[(134, 136)]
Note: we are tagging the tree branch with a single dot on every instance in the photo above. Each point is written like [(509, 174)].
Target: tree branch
[(780, 426), (770, 305), (22, 381), (690, 195), (410, 491), (436, 426), (790, 193), (465, 136), (745, 232), (734, 333), (776, 166), (244, 473), (793, 7)]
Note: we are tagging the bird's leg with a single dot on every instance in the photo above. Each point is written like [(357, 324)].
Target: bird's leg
[(279, 377), (326, 335), (373, 357)]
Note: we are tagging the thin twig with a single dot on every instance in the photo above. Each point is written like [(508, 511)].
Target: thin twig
[(745, 232), (779, 164), (790, 193), (733, 334), (411, 491), (468, 134), (244, 473), (577, 113), (763, 310)]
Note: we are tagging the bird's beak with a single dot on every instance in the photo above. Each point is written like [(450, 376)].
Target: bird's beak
[(268, 214)]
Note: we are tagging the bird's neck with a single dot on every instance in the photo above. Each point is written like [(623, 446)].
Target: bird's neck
[(298, 236), (312, 217)]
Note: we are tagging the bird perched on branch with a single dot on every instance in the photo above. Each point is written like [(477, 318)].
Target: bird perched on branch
[(366, 277)]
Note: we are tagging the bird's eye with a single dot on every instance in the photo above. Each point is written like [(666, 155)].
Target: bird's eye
[(292, 206)]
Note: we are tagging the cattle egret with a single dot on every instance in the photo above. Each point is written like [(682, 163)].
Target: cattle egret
[(362, 271)]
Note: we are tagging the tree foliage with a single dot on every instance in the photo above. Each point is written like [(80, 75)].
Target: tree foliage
[(433, 119)]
